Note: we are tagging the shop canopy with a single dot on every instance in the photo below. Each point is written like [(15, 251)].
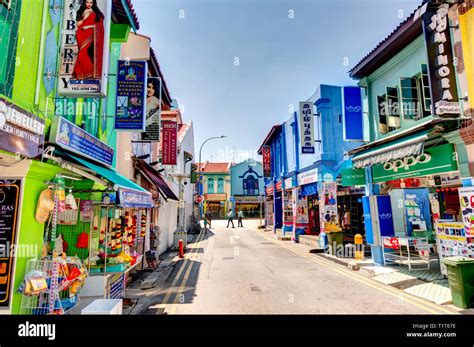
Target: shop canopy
[(154, 177), (309, 189), (130, 194), (397, 149)]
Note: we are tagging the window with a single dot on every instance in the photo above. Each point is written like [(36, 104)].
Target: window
[(220, 185), (250, 185), (425, 85), (389, 110), (210, 185), (410, 98), (381, 106)]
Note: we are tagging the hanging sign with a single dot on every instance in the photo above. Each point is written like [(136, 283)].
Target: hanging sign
[(131, 84), (267, 161), (72, 138), (306, 127), (20, 131), (153, 110), (84, 57), (170, 142), (9, 209), (443, 90), (352, 125)]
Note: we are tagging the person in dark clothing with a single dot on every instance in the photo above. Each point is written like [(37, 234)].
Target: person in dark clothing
[(230, 215), (209, 218), (240, 215)]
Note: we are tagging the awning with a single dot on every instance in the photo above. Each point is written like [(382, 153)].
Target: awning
[(155, 178), (397, 149), (130, 194), (309, 189)]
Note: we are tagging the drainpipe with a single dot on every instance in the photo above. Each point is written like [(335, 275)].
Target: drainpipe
[(41, 52)]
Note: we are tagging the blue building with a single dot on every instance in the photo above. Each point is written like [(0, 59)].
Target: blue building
[(247, 188)]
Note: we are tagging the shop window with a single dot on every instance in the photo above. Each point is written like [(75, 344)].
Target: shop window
[(220, 185), (250, 185), (210, 185)]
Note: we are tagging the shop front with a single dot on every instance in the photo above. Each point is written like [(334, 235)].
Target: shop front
[(269, 205), (306, 204), (249, 205), (216, 204), (287, 201)]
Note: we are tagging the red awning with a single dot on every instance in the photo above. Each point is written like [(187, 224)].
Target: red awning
[(155, 178)]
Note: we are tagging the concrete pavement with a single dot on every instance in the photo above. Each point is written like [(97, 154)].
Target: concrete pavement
[(246, 271)]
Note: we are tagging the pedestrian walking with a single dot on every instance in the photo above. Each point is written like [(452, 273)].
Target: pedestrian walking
[(209, 218), (230, 215), (240, 215)]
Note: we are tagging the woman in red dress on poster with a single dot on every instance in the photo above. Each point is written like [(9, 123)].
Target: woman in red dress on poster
[(90, 41)]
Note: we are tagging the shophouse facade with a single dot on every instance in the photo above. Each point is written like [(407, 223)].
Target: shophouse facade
[(215, 188), (247, 188)]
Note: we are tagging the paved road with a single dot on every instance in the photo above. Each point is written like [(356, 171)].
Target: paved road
[(243, 270)]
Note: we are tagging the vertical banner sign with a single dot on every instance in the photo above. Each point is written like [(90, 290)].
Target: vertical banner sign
[(466, 198), (153, 110), (131, 84), (267, 161), (9, 209), (328, 204), (306, 127), (353, 127), (443, 91), (169, 143), (84, 58)]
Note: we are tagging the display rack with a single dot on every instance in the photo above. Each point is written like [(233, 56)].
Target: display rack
[(410, 251)]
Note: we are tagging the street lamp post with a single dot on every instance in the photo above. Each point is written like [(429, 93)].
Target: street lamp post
[(200, 166)]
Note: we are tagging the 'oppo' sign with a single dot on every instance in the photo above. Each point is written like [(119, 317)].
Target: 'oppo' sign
[(406, 163)]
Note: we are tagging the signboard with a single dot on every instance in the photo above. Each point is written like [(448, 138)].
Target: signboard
[(130, 106), (83, 65), (215, 197), (134, 198), (278, 186), (451, 241), (433, 160), (300, 208), (267, 161), (153, 110), (20, 131), (72, 138), (306, 128), (269, 190), (199, 198), (9, 209), (353, 177), (170, 142), (288, 183), (353, 120), (328, 203), (391, 242), (466, 198), (443, 90), (307, 177)]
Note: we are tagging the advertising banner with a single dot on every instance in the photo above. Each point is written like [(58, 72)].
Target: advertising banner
[(9, 209), (328, 203), (20, 131), (466, 198), (83, 66), (170, 142), (443, 89), (72, 138), (153, 110), (267, 161), (306, 128), (130, 106), (353, 120)]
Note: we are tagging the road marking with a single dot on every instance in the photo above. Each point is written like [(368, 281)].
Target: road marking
[(165, 300), (369, 282)]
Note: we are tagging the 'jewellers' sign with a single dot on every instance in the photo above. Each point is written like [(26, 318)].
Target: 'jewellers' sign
[(444, 95), (20, 131)]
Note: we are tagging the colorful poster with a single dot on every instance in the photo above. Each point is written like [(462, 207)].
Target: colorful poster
[(306, 128), (20, 131), (153, 110), (84, 57), (170, 142), (69, 136), (9, 208), (267, 161), (451, 240), (130, 102), (466, 198)]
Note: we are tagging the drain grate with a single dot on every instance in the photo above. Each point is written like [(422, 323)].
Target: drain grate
[(227, 258)]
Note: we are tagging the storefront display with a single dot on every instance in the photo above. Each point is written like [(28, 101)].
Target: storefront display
[(453, 241), (466, 198)]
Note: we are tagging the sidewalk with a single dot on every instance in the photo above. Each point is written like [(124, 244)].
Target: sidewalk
[(427, 284)]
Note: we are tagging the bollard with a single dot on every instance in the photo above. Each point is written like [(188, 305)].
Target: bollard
[(181, 248), (359, 247)]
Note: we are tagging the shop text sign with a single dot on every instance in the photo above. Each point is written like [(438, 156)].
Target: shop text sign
[(133, 198), (169, 143), (20, 131), (267, 161), (306, 127), (308, 177), (131, 85), (84, 54), (434, 160), (443, 89), (72, 138), (9, 203)]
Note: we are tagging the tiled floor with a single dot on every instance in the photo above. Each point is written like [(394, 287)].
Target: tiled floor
[(437, 292)]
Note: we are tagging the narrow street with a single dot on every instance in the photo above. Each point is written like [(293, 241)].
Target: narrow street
[(247, 271)]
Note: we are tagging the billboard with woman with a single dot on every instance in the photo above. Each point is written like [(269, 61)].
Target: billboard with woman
[(84, 57)]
